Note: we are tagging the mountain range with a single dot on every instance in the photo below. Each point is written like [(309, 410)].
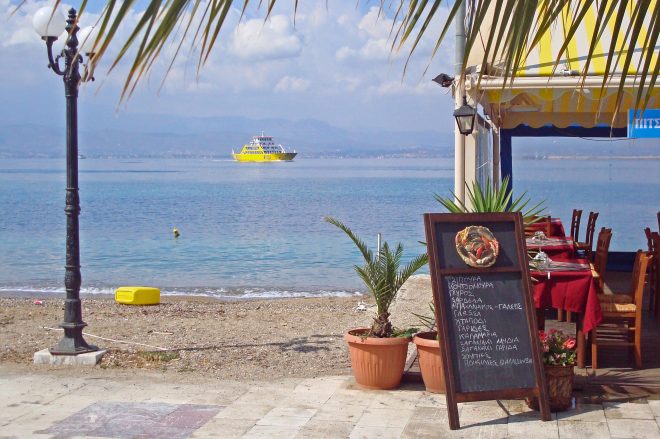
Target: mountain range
[(151, 135)]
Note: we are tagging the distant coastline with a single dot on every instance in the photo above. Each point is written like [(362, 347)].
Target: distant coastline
[(592, 157)]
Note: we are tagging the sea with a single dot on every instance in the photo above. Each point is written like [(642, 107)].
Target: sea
[(256, 230)]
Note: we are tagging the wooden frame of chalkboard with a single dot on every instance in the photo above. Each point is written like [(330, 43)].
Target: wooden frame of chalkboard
[(486, 317)]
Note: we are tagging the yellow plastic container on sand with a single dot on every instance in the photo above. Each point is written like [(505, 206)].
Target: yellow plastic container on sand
[(137, 295)]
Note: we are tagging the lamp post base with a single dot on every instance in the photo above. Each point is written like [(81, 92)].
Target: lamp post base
[(86, 359), (73, 342)]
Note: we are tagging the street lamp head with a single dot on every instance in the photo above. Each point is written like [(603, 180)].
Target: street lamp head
[(49, 23), (465, 115), (87, 37)]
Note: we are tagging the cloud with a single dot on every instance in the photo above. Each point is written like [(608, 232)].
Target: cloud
[(289, 83), (376, 50), (257, 40), (344, 53)]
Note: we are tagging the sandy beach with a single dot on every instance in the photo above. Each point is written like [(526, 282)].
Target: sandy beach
[(247, 340)]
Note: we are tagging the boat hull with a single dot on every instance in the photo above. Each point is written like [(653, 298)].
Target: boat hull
[(272, 157)]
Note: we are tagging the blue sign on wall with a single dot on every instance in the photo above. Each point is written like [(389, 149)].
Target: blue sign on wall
[(644, 126)]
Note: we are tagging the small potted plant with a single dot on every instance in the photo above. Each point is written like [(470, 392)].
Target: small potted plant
[(428, 353), (559, 359), (378, 353)]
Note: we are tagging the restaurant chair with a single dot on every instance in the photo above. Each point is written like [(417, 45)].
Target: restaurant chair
[(654, 272), (586, 247), (542, 224), (599, 266), (622, 321), (575, 224)]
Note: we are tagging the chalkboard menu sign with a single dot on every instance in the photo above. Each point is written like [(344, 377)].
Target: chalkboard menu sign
[(484, 309)]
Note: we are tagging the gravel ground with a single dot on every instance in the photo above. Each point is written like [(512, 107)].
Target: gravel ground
[(255, 340)]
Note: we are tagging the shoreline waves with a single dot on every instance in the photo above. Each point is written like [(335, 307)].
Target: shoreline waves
[(228, 294)]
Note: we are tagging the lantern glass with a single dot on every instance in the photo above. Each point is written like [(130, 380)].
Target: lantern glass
[(48, 22), (87, 36), (465, 116)]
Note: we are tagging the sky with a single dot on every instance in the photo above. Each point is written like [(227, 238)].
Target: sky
[(334, 64)]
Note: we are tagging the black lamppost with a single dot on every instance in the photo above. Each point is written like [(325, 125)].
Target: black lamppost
[(49, 23)]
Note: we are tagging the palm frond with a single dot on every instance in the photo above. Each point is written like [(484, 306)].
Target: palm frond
[(382, 276), (493, 198), (367, 254)]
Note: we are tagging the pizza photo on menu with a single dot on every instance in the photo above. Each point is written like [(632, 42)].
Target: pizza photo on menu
[(477, 246)]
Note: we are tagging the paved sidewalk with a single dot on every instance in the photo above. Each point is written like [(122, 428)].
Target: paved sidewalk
[(149, 405)]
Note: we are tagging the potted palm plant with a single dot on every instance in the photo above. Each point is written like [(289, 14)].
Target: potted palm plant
[(378, 353)]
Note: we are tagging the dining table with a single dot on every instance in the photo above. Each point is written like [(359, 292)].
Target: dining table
[(569, 285), (560, 248)]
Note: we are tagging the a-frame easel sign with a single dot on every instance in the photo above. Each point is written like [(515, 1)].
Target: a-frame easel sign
[(484, 309)]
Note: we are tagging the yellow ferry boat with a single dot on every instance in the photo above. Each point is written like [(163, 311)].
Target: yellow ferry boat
[(263, 149)]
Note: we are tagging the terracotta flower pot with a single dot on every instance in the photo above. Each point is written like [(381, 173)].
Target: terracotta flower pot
[(559, 380), (430, 362), (377, 363)]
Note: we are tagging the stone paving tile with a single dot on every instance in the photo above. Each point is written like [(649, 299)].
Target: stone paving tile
[(271, 432), (364, 432), (263, 396), (428, 399), (627, 410), (440, 429), (395, 399), (432, 414), (317, 429), (637, 428), (287, 416), (14, 411), (654, 405), (245, 411), (583, 412), (391, 418), (353, 396), (581, 429), (339, 412), (482, 413), (134, 420), (513, 406), (529, 425), (225, 428)]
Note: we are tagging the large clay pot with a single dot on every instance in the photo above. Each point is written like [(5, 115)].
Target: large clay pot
[(430, 362), (377, 363), (559, 380)]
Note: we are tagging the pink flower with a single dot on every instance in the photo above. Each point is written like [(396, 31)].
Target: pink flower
[(570, 343)]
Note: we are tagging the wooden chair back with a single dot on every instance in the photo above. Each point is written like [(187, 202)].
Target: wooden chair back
[(575, 224), (602, 250), (639, 277), (541, 223), (654, 272), (591, 228)]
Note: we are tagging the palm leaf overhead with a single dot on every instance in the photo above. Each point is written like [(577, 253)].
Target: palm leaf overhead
[(519, 27)]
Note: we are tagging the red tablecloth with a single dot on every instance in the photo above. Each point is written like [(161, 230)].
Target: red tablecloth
[(556, 227), (573, 291), (559, 250)]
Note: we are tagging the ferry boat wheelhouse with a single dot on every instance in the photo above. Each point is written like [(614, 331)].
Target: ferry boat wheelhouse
[(263, 149)]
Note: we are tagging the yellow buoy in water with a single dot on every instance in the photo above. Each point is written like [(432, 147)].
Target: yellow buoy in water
[(176, 233)]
